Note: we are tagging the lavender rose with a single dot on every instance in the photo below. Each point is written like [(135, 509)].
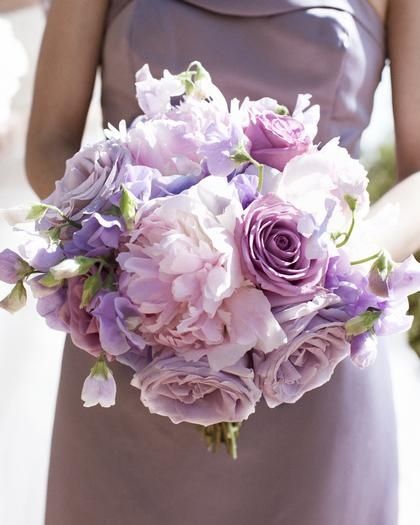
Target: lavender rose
[(305, 363), (275, 139), (193, 393), (91, 177), (273, 251)]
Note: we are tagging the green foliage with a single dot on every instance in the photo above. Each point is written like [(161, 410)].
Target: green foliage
[(382, 176)]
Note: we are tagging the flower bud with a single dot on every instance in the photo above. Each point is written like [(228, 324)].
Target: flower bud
[(16, 298), (362, 323), (99, 387), (12, 267), (128, 207), (91, 287), (71, 268)]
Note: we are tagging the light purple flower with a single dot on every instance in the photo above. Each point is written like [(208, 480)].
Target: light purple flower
[(12, 267), (364, 348), (194, 393), (182, 271), (90, 179), (99, 389), (330, 173), (166, 145), (154, 95), (276, 139), (53, 308), (273, 250), (117, 320), (98, 236), (304, 363)]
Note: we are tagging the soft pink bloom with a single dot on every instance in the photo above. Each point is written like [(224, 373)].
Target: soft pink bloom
[(194, 393), (166, 145), (182, 270), (328, 174)]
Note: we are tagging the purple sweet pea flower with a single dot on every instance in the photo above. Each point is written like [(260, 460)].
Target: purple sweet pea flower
[(194, 393), (53, 307), (246, 185), (364, 348), (273, 250), (117, 320), (275, 139), (304, 363), (99, 235), (12, 267)]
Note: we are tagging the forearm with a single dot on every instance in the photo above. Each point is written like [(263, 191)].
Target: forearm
[(45, 163), (404, 239)]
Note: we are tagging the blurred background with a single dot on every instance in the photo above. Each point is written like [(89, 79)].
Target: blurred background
[(30, 353)]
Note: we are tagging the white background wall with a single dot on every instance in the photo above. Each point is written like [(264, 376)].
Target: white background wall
[(30, 353)]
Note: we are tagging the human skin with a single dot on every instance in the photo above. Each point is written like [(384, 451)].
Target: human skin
[(65, 78)]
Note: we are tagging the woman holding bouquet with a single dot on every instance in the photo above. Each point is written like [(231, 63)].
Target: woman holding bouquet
[(329, 459)]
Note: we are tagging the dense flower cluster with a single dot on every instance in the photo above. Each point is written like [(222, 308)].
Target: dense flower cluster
[(214, 249)]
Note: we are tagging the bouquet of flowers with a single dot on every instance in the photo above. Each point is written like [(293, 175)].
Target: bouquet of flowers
[(215, 250)]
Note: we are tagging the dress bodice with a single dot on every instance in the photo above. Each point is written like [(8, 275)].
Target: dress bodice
[(334, 49)]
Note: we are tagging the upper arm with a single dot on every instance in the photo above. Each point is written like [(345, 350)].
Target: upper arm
[(66, 70), (404, 49)]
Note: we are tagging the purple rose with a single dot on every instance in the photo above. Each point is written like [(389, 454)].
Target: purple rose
[(306, 362), (275, 139), (273, 251), (12, 267), (191, 392), (92, 176)]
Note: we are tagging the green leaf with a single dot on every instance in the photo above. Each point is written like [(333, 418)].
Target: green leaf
[(128, 207), (91, 287)]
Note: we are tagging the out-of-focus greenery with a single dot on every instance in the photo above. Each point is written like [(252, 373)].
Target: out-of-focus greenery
[(382, 176)]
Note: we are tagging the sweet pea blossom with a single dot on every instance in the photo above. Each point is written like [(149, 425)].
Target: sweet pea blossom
[(303, 363), (273, 251), (12, 267), (117, 320), (194, 393), (99, 387), (98, 236), (364, 349), (154, 95), (182, 271)]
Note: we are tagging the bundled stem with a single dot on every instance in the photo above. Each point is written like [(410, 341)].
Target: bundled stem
[(222, 433)]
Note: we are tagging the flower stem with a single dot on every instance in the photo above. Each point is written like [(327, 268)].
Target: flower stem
[(366, 259), (226, 433), (260, 176), (348, 234)]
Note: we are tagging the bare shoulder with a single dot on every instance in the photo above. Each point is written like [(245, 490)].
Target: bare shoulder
[(380, 6)]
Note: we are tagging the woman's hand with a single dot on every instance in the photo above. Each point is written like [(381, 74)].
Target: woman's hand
[(403, 23), (65, 78)]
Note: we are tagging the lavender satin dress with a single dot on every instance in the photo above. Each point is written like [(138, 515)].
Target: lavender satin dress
[(331, 458)]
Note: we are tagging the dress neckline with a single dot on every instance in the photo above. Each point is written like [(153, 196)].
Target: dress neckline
[(362, 10)]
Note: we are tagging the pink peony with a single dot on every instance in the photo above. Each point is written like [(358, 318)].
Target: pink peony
[(182, 270)]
